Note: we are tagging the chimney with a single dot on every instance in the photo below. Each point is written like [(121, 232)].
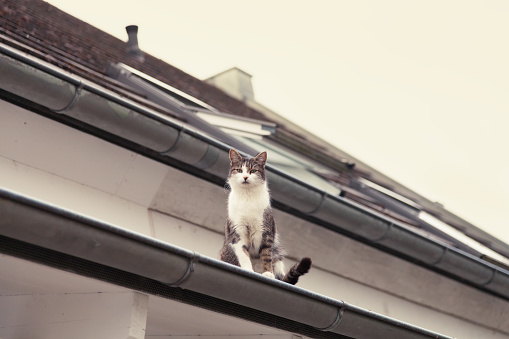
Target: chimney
[(132, 44), (235, 82)]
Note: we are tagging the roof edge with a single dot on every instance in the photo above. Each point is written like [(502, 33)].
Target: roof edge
[(109, 116), (29, 220)]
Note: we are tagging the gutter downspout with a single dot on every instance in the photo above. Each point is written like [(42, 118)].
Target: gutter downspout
[(50, 227), (52, 88)]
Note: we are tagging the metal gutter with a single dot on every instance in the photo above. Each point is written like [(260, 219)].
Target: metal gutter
[(412, 213), (48, 86), (47, 226), (124, 76)]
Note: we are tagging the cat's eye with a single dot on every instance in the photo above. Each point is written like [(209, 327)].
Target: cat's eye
[(253, 171), (238, 170)]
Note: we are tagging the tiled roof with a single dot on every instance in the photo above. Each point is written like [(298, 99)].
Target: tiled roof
[(75, 40)]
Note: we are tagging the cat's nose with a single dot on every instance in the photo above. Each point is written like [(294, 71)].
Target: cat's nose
[(245, 178)]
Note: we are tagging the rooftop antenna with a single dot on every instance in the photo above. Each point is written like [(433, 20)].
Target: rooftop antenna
[(132, 44)]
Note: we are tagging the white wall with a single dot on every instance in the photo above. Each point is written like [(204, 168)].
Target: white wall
[(52, 162)]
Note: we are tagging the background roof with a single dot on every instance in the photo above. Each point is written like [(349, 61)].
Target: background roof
[(416, 90)]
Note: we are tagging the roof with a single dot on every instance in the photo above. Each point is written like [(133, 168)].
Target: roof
[(38, 86), (78, 47), (362, 212), (73, 45)]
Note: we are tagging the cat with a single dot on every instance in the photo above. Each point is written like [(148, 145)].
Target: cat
[(250, 232)]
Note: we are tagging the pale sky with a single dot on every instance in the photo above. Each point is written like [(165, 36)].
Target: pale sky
[(416, 89)]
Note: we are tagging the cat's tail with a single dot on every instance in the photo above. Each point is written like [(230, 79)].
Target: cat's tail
[(297, 270)]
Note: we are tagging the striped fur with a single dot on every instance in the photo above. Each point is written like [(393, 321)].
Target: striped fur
[(251, 232)]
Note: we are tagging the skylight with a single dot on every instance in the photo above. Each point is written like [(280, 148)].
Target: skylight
[(293, 163), (389, 193), (237, 125), (426, 217), (182, 96)]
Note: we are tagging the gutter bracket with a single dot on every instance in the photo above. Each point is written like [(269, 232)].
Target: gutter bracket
[(317, 208), (336, 321), (446, 249), (490, 279), (77, 93), (177, 142), (209, 158), (190, 268), (383, 236)]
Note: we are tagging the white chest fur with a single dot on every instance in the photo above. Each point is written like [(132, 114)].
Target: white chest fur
[(245, 209)]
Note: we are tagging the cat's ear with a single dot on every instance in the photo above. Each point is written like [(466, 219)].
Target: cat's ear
[(261, 158), (235, 157)]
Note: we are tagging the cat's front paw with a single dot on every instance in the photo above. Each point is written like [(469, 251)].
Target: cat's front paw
[(269, 274)]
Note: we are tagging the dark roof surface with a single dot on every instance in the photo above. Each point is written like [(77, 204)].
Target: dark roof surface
[(62, 39), (46, 32)]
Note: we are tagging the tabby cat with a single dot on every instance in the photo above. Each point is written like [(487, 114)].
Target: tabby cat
[(250, 232)]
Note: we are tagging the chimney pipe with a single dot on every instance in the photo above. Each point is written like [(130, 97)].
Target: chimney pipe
[(132, 43)]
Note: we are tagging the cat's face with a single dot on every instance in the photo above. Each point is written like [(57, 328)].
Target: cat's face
[(246, 173)]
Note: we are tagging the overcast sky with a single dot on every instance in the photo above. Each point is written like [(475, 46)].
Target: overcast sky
[(417, 89)]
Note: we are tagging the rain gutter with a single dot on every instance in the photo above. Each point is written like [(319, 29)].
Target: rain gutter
[(411, 212), (37, 223), (110, 115), (157, 96)]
